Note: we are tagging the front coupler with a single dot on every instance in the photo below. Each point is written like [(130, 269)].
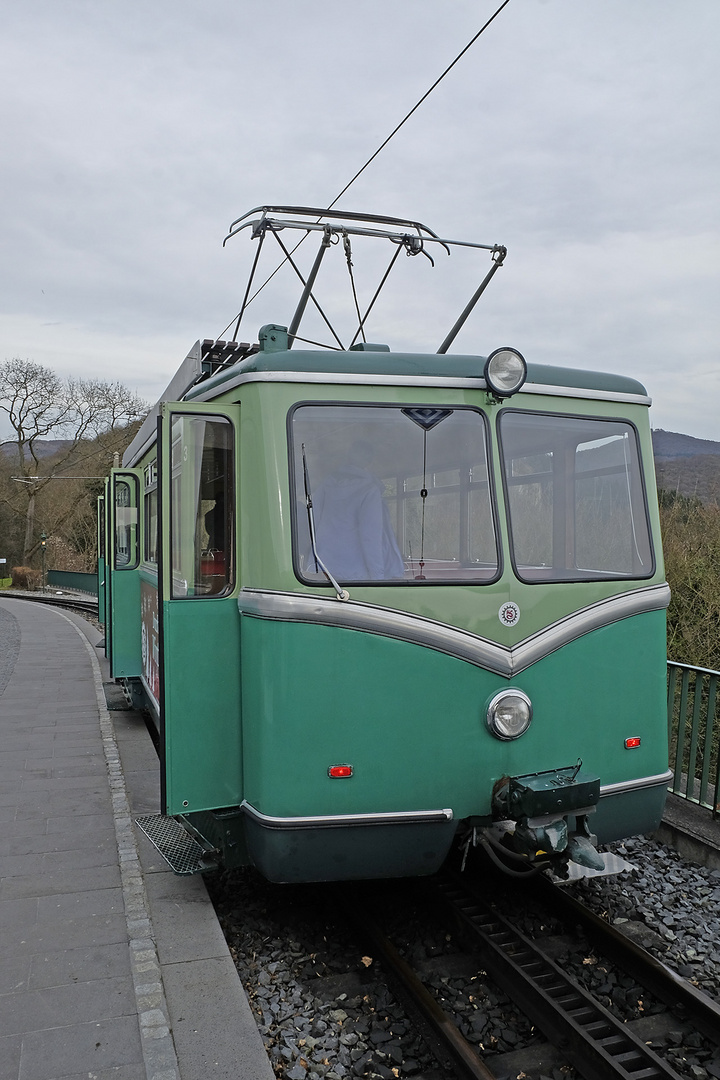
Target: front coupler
[(536, 807)]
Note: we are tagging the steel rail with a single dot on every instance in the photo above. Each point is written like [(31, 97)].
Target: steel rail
[(86, 607), (443, 1027), (672, 989), (598, 1045)]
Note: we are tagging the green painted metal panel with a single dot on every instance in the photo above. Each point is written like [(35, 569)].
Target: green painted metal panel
[(201, 757), (630, 813), (124, 580), (126, 652), (202, 711), (411, 721), (346, 854), (101, 570), (74, 579), (104, 546)]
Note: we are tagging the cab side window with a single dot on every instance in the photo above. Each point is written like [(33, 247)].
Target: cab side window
[(126, 553), (202, 506)]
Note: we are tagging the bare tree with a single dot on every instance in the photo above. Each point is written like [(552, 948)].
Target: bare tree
[(74, 414)]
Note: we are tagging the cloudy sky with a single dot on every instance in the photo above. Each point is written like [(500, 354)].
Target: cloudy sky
[(582, 134)]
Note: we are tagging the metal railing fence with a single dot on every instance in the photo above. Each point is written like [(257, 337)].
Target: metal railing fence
[(694, 733), (73, 579)]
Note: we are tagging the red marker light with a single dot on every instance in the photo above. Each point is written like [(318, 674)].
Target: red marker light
[(339, 772), (630, 744)]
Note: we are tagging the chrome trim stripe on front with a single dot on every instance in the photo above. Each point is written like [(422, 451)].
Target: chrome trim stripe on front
[(625, 786), (603, 613), (577, 392), (387, 622), (358, 379), (330, 821)]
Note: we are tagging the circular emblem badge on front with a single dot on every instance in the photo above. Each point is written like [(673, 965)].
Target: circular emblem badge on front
[(509, 614)]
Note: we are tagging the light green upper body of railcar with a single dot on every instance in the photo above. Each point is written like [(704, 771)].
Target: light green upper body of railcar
[(271, 678)]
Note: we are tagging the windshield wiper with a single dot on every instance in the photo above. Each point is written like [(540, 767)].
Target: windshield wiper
[(342, 594)]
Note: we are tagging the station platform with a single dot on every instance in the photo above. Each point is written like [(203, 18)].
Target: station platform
[(692, 830), (111, 966)]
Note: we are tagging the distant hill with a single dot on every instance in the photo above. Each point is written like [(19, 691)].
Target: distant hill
[(687, 465), (43, 448), (684, 464), (669, 444)]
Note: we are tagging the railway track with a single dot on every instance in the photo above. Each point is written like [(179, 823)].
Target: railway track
[(585, 1034), (676, 992), (64, 600)]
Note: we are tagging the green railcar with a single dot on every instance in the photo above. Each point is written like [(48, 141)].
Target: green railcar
[(382, 603)]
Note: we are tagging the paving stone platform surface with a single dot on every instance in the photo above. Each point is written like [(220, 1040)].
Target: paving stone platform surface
[(111, 967)]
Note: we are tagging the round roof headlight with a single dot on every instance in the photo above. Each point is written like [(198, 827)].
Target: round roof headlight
[(505, 372), (509, 715)]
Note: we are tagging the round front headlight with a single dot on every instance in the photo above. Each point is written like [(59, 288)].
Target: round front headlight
[(509, 714), (505, 372)]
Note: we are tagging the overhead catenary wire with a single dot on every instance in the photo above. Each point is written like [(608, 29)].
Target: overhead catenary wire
[(417, 105), (375, 154)]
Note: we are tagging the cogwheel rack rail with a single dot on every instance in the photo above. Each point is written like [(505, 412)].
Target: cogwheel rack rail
[(339, 226), (588, 1036), (594, 1041)]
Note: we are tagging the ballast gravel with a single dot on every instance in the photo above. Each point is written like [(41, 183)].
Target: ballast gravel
[(326, 1013), (670, 905), (322, 1006)]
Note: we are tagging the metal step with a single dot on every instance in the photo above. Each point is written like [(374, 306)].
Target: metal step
[(183, 853)]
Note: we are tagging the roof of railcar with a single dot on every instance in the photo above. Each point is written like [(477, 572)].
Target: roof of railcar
[(373, 363), (407, 365)]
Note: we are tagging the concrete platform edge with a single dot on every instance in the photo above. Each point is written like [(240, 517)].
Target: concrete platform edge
[(158, 1047), (691, 830), (175, 990)]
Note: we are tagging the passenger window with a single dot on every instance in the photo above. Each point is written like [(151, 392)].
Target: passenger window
[(126, 524), (101, 527), (202, 502), (151, 513)]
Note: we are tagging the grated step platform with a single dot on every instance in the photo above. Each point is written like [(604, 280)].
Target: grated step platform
[(115, 698), (175, 844)]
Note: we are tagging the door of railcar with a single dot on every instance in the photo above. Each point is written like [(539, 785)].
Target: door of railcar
[(102, 616), (104, 555), (122, 575), (199, 622)]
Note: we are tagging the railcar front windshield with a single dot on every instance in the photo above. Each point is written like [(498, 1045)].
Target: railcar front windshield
[(575, 498), (390, 495)]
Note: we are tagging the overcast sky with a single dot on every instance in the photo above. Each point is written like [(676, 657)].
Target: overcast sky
[(581, 134)]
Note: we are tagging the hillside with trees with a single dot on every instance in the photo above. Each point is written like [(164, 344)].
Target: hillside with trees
[(688, 478), (64, 433), (687, 466)]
